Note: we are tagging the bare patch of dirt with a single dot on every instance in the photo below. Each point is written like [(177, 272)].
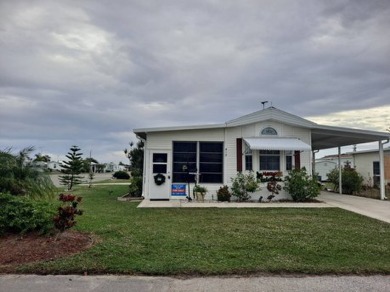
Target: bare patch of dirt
[(20, 249)]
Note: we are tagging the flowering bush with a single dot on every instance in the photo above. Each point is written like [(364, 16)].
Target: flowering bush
[(274, 187), (267, 176), (301, 186), (243, 184), (65, 218)]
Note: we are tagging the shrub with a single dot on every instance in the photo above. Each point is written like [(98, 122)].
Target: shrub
[(135, 187), (301, 186), (121, 175), (22, 214), (223, 194), (243, 184), (352, 182), (65, 218)]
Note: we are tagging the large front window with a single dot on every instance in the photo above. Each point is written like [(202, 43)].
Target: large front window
[(184, 161), (269, 160), (211, 162), (204, 158)]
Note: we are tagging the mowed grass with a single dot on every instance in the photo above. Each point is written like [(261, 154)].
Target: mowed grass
[(214, 241)]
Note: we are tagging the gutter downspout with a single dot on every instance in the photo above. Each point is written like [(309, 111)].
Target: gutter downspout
[(340, 172), (382, 169)]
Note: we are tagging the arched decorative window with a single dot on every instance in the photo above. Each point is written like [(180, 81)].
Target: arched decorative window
[(269, 131)]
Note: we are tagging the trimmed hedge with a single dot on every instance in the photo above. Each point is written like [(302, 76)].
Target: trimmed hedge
[(121, 175)]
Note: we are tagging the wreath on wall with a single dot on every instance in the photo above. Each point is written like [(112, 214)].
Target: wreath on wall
[(159, 179)]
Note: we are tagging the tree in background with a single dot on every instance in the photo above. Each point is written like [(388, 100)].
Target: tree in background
[(72, 168), (87, 162), (136, 159), (43, 158), (18, 177)]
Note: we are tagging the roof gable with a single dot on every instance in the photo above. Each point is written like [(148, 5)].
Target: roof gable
[(271, 114)]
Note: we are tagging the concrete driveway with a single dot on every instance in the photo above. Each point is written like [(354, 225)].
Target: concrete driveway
[(368, 207)]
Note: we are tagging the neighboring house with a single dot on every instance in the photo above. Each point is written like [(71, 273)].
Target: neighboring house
[(326, 164), (113, 167), (368, 165), (39, 165), (54, 165), (269, 140)]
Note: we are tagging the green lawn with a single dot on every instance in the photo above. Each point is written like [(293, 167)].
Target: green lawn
[(221, 241)]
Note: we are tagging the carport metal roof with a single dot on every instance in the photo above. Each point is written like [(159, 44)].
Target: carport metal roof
[(325, 137)]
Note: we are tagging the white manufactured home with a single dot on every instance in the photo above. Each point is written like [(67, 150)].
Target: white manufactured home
[(324, 165), (265, 142), (368, 165)]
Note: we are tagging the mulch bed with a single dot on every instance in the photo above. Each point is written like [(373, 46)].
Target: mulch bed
[(20, 249)]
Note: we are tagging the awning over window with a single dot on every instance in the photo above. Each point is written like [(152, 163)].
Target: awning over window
[(262, 143)]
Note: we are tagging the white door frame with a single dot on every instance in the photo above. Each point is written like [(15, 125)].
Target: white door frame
[(163, 167)]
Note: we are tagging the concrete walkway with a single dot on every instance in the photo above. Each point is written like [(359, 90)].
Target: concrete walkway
[(215, 204), (368, 207), (34, 283), (376, 209)]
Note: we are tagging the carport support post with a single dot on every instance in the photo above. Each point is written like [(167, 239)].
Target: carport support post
[(340, 172), (313, 164), (381, 171)]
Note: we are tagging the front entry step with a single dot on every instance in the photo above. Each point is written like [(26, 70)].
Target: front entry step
[(159, 199)]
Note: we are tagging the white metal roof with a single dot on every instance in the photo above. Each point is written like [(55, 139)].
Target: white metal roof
[(142, 132), (270, 114), (276, 143), (322, 137)]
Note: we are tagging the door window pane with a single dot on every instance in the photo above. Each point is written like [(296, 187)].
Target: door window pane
[(160, 157), (159, 168)]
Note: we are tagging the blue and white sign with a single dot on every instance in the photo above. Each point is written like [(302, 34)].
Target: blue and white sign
[(179, 190)]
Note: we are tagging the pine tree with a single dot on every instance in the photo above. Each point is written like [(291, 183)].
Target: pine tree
[(72, 168)]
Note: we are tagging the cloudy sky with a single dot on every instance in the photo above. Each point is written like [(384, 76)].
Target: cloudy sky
[(87, 73)]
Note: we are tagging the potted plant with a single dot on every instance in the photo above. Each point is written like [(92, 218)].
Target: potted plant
[(199, 192)]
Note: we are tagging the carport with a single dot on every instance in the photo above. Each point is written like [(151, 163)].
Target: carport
[(325, 137)]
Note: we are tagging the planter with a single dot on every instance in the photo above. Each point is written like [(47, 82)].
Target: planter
[(199, 196)]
